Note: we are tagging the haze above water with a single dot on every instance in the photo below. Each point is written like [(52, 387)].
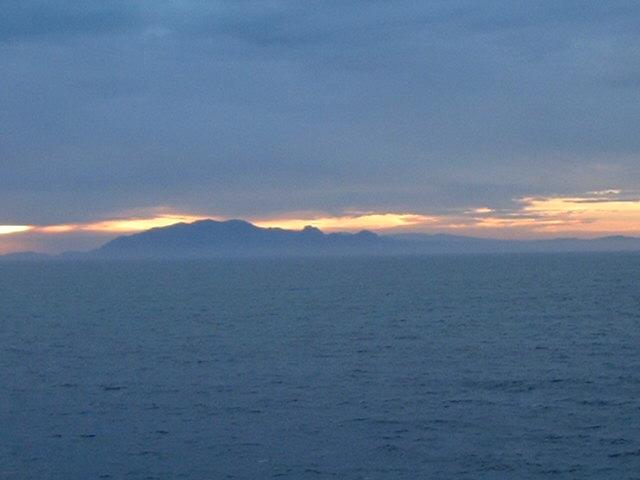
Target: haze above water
[(466, 367)]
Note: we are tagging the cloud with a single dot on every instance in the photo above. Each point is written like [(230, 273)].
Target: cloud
[(40, 19), (349, 222), (603, 212), (9, 229), (254, 109)]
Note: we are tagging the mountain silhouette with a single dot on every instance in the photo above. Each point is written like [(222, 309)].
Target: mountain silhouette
[(235, 237), (238, 238)]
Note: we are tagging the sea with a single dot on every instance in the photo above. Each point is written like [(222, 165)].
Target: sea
[(427, 367)]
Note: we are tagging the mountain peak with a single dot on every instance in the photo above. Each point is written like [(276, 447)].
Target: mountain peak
[(232, 237), (310, 230)]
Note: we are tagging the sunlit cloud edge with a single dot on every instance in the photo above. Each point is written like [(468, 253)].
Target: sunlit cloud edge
[(602, 212)]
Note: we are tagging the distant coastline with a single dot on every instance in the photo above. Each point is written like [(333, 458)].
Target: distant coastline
[(238, 238)]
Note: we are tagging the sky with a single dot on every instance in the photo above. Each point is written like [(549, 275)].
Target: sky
[(505, 119)]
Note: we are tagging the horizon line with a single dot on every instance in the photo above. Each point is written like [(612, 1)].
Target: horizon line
[(595, 214), (395, 235)]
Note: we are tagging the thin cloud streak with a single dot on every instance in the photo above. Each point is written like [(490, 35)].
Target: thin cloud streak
[(362, 221), (119, 226), (9, 229)]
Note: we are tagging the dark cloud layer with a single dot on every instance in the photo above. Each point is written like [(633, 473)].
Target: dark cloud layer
[(247, 108), (42, 19)]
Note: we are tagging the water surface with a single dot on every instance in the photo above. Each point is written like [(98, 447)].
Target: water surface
[(466, 367)]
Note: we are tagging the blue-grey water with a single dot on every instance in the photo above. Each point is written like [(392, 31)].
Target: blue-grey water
[(452, 367)]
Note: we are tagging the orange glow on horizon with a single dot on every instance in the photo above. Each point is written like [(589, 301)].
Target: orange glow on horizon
[(586, 215), (119, 226), (9, 229), (138, 224), (605, 212), (366, 221), (58, 228), (601, 213)]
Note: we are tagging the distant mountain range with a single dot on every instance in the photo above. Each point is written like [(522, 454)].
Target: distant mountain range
[(209, 238), (26, 256), (234, 237)]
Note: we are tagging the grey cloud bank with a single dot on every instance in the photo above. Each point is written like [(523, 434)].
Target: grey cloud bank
[(250, 108)]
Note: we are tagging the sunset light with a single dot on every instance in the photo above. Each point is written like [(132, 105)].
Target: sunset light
[(606, 212), (137, 224), (9, 229), (370, 221), (118, 226), (605, 215)]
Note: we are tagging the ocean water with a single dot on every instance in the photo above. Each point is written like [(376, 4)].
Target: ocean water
[(451, 367)]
